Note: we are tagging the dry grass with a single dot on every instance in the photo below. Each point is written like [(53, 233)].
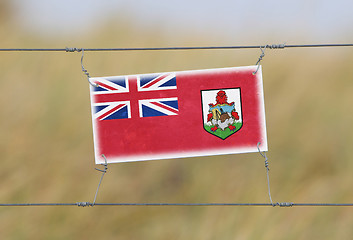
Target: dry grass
[(47, 149)]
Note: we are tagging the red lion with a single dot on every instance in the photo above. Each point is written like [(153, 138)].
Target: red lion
[(221, 98)]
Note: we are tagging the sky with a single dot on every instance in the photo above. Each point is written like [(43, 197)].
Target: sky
[(314, 20)]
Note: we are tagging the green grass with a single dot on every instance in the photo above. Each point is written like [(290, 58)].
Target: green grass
[(227, 132)]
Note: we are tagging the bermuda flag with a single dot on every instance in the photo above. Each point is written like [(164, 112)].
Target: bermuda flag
[(178, 114)]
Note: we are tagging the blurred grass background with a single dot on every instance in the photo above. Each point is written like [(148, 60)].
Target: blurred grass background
[(46, 145)]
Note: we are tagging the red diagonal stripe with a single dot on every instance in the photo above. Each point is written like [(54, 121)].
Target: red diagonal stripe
[(105, 86), (155, 81), (165, 107), (110, 111)]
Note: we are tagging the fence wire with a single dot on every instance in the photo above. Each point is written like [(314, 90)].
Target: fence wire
[(269, 46), (89, 204)]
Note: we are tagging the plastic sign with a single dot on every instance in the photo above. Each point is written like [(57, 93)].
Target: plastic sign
[(178, 114)]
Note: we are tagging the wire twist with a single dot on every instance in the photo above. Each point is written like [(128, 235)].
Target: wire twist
[(68, 49), (84, 204), (273, 46), (263, 154), (83, 68), (260, 59), (74, 49), (103, 172), (276, 46)]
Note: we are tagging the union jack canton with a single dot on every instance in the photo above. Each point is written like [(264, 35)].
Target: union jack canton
[(115, 97)]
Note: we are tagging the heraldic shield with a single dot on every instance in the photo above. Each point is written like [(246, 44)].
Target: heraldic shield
[(222, 111)]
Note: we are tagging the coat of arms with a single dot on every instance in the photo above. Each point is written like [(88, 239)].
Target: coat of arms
[(222, 115)]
